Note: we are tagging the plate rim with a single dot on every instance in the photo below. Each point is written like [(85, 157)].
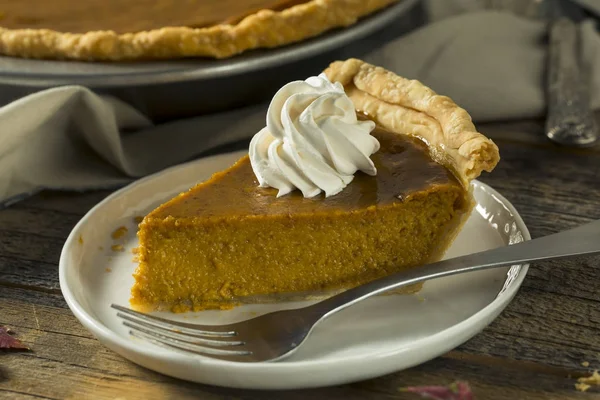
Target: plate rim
[(114, 340)]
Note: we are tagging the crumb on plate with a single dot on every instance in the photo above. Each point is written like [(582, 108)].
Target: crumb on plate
[(119, 232), (117, 247)]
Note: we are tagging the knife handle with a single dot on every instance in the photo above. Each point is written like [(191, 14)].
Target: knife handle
[(570, 120)]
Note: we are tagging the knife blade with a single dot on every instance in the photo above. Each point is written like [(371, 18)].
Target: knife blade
[(569, 121)]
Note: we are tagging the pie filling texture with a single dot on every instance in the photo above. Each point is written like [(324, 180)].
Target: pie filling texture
[(134, 15), (228, 241)]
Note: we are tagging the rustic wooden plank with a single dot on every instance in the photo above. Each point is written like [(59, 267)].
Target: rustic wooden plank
[(55, 336), (544, 327), (69, 381), (79, 351), (513, 345), (549, 336), (30, 247), (562, 311), (529, 132), (29, 273), (12, 395), (525, 132), (67, 202), (48, 223), (489, 377), (557, 307), (38, 311), (63, 381), (11, 296), (576, 278), (549, 180), (554, 320)]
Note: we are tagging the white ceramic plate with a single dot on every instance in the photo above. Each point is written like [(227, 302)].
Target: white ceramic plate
[(376, 337)]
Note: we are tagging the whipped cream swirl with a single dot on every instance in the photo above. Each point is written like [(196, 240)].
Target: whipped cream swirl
[(313, 141)]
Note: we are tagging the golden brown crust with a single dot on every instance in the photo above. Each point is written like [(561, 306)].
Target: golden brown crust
[(409, 107), (264, 29)]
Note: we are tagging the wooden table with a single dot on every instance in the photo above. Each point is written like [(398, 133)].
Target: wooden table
[(534, 350)]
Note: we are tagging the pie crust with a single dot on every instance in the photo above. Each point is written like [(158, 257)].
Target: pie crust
[(263, 29), (407, 106)]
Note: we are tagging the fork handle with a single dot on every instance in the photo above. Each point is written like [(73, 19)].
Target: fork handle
[(582, 240)]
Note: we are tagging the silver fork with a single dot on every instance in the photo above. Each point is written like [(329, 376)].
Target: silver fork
[(276, 335)]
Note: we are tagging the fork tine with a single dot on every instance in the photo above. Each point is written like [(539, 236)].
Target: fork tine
[(194, 339), (165, 341), (181, 327)]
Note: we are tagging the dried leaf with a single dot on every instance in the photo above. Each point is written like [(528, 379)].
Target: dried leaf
[(9, 342), (455, 391)]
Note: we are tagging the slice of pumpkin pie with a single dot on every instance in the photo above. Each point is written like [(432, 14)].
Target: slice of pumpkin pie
[(359, 173)]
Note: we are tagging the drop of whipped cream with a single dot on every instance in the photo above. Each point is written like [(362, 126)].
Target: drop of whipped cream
[(313, 141)]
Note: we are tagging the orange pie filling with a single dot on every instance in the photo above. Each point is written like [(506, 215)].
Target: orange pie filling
[(227, 241), (289, 221), (129, 16)]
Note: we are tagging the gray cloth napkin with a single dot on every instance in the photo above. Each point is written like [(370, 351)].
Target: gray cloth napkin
[(490, 63)]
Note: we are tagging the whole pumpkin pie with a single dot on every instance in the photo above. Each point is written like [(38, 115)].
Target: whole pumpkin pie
[(233, 240), (166, 29)]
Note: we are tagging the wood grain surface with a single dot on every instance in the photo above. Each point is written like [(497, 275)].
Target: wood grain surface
[(534, 350)]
